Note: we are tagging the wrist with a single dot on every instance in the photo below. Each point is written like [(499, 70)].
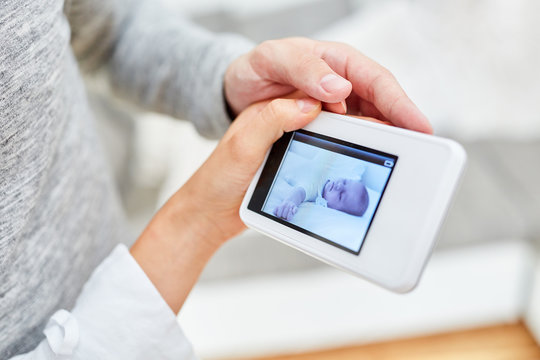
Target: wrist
[(228, 109), (228, 80), (238, 84), (181, 222)]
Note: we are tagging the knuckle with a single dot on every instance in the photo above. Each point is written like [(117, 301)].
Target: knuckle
[(274, 110), (262, 54), (299, 41), (347, 47), (378, 79), (238, 148), (388, 74), (392, 105), (266, 47), (384, 73), (306, 62)]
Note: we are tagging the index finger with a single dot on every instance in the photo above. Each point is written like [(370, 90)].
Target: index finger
[(375, 84)]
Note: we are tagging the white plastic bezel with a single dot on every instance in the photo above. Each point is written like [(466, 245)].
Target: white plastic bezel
[(404, 228)]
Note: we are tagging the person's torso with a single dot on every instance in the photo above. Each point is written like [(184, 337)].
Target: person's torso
[(59, 214)]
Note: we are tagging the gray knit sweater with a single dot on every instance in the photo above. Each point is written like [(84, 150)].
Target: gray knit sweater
[(59, 214)]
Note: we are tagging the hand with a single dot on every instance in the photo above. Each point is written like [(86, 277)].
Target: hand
[(203, 214), (219, 186), (286, 210), (334, 73)]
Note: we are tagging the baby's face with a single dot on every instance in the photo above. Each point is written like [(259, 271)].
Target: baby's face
[(346, 195)]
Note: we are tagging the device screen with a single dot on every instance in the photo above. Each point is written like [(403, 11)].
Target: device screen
[(323, 187)]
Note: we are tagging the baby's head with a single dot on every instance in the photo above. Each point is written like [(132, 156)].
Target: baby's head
[(346, 195)]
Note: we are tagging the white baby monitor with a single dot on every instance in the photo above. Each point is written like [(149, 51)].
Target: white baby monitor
[(364, 197)]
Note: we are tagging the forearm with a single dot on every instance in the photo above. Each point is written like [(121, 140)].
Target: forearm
[(203, 214), (177, 68), (155, 58), (174, 249)]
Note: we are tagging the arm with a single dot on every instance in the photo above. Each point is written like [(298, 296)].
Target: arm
[(155, 58), (164, 63), (120, 313), (204, 213)]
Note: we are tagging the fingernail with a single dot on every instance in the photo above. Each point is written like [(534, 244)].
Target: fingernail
[(344, 105), (332, 83), (307, 105)]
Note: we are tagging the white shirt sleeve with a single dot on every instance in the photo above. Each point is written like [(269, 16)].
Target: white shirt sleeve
[(118, 315)]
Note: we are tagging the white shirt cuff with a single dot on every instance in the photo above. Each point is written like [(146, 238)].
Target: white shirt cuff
[(119, 315)]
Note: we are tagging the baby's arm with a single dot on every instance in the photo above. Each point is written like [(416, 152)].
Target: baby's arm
[(289, 205)]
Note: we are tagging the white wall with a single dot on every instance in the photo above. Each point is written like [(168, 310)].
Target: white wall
[(235, 6), (470, 65)]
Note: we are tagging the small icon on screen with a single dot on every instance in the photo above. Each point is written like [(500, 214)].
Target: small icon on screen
[(388, 163)]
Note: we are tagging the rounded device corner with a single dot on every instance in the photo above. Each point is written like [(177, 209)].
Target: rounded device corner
[(406, 286)]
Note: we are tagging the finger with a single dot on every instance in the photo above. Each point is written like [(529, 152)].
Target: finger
[(283, 214), (288, 217), (384, 92), (257, 133), (375, 120), (365, 109), (368, 109), (294, 62), (291, 213), (286, 211), (375, 84), (339, 108)]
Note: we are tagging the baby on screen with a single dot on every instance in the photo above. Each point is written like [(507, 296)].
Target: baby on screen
[(315, 183)]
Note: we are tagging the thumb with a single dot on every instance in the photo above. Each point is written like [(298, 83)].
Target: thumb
[(294, 62), (277, 117)]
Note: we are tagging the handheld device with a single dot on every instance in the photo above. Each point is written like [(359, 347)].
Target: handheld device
[(364, 197)]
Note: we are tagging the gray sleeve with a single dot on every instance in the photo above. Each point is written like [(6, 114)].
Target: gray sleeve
[(155, 58)]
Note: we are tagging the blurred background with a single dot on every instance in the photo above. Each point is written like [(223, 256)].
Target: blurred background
[(472, 68)]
